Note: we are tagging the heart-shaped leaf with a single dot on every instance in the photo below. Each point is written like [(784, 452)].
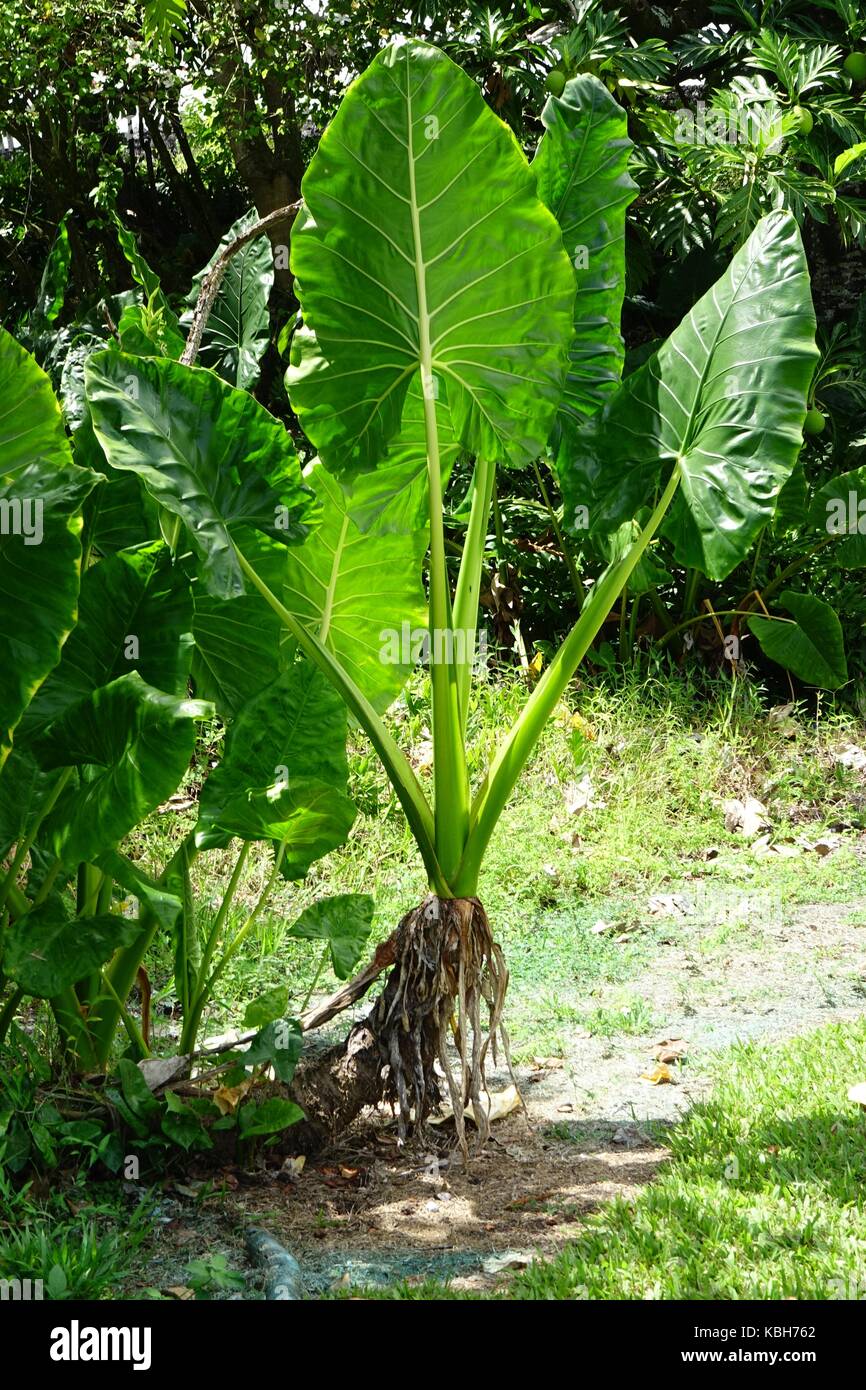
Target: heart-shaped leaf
[(130, 745), (236, 333), (724, 398), (345, 921), (47, 950), (414, 176), (812, 646)]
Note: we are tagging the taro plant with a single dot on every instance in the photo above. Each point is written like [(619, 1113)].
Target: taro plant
[(455, 300), (100, 625)]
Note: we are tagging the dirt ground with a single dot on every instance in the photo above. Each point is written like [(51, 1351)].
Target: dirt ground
[(593, 1127)]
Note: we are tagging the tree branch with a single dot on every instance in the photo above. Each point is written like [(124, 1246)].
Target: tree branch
[(214, 277)]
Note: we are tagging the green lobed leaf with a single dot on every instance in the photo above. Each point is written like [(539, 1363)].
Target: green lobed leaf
[(290, 735), (130, 745), (423, 245), (361, 594), (725, 397), (238, 326), (41, 492), (206, 452), (812, 646), (46, 950), (345, 921), (581, 168), (135, 614)]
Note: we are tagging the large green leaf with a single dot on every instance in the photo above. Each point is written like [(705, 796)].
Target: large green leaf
[(47, 950), (237, 650), (135, 614), (839, 509), (345, 922), (206, 452), (394, 496), (582, 171), (725, 397), (40, 551), (812, 646), (361, 594), (55, 276), (130, 745), (293, 734), (306, 819), (424, 246), (236, 333)]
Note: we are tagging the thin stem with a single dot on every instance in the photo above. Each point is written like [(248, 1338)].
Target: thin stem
[(224, 907), (9, 1010), (248, 925), (133, 1032), (393, 759), (315, 980), (524, 735)]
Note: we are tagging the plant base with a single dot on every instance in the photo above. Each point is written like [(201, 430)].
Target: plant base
[(449, 975)]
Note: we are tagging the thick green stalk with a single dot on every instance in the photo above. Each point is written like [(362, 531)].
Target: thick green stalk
[(469, 583), (123, 968), (520, 742), (391, 755), (24, 846), (450, 778)]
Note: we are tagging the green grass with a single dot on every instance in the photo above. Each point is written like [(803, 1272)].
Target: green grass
[(660, 765), (80, 1241), (764, 1196)]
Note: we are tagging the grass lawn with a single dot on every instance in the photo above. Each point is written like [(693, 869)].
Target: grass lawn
[(764, 1196)]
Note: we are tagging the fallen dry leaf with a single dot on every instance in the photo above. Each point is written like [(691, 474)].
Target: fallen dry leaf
[(746, 818), (181, 1291), (228, 1098), (660, 1075), (580, 796)]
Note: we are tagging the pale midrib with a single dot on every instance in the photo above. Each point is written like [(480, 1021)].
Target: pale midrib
[(328, 605)]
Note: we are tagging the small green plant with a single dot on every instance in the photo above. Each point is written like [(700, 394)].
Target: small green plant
[(213, 1275)]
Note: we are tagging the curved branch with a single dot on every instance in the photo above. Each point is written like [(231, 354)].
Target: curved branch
[(214, 278)]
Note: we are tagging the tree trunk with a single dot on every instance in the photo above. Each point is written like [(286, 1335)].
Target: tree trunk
[(447, 970)]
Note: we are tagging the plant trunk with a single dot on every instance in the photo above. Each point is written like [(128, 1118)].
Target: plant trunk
[(447, 970)]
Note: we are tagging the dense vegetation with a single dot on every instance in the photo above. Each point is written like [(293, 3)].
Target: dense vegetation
[(357, 357)]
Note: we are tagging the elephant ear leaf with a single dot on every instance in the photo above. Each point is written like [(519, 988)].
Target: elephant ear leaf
[(284, 772), (46, 951), (237, 329), (811, 645), (129, 746), (581, 167), (41, 493), (135, 614), (724, 398), (205, 452), (360, 593), (344, 921), (414, 177)]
